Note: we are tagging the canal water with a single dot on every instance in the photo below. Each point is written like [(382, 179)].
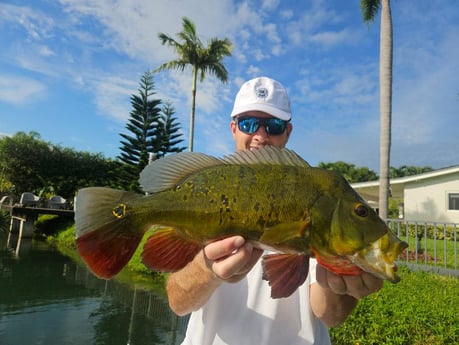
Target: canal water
[(46, 298)]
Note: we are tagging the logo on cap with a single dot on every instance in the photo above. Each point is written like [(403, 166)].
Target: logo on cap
[(261, 92)]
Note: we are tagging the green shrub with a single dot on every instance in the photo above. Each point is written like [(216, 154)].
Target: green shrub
[(421, 309), (48, 224), (430, 231), (4, 221)]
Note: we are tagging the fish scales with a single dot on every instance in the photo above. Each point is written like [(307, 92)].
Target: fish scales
[(239, 201), (271, 197)]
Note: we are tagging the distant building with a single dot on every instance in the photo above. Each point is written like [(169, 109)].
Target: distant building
[(432, 196)]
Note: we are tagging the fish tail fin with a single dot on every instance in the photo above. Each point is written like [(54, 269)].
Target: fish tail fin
[(168, 251), (105, 237), (285, 272)]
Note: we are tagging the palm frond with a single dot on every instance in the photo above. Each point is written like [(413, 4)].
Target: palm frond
[(369, 9)]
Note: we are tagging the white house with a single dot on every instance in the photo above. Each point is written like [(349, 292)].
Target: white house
[(432, 196)]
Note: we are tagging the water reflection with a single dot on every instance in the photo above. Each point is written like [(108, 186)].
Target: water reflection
[(45, 298)]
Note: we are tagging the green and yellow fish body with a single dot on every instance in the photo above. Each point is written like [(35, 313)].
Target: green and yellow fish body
[(270, 196)]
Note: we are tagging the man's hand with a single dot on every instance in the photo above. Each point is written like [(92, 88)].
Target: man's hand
[(231, 258), (356, 286)]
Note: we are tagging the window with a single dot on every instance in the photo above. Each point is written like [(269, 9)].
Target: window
[(453, 201)]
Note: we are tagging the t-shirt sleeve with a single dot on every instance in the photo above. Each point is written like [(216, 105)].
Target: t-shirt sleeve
[(312, 270)]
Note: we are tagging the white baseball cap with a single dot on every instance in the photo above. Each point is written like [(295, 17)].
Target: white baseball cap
[(263, 94)]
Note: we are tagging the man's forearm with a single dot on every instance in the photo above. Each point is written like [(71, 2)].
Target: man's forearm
[(190, 288), (332, 309)]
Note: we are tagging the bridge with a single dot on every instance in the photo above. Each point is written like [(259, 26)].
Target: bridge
[(25, 213)]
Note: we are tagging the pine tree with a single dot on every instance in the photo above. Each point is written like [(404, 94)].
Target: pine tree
[(169, 133), (144, 128)]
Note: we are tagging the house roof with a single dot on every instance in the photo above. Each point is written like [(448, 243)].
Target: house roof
[(370, 190)]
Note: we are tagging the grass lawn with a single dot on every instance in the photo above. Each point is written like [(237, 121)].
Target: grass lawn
[(421, 309)]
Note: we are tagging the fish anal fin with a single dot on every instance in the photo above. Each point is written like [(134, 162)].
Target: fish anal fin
[(166, 250), (285, 272), (104, 253)]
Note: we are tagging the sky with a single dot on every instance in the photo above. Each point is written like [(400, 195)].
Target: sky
[(69, 67)]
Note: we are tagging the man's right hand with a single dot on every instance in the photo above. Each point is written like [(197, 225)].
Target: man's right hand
[(231, 258)]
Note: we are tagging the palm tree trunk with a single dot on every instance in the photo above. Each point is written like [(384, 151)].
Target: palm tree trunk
[(193, 107), (385, 75)]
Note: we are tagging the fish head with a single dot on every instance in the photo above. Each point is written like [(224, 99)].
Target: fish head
[(354, 226), (361, 236)]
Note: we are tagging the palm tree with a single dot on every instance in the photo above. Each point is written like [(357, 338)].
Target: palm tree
[(191, 51), (369, 10)]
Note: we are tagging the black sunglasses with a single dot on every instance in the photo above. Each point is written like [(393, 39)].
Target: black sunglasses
[(250, 125)]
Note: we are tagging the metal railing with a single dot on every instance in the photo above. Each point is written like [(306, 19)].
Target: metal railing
[(433, 246)]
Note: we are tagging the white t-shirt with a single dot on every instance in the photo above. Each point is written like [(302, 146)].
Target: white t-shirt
[(244, 314)]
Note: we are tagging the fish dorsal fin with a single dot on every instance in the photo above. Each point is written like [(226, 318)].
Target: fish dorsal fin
[(269, 155), (168, 172)]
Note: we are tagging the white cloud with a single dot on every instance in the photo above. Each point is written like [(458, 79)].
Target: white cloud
[(332, 38), (253, 71), (46, 51), (20, 90), (270, 4), (36, 23), (112, 96), (132, 27), (286, 14)]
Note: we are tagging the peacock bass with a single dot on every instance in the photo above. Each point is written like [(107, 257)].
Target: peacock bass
[(271, 197)]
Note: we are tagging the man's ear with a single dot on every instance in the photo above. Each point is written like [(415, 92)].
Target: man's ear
[(233, 127), (289, 129)]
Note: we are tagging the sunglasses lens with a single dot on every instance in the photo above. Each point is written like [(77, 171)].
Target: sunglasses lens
[(250, 125), (275, 126)]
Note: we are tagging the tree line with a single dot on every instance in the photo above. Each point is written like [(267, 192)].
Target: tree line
[(30, 164), (354, 174)]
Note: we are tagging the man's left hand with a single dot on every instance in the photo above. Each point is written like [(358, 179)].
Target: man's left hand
[(358, 286)]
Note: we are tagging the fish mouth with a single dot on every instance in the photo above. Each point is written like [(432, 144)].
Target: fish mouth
[(379, 257)]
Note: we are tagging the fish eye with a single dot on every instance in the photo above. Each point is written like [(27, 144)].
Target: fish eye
[(361, 210), (119, 211)]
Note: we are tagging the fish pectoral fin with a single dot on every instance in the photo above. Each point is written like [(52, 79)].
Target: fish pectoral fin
[(285, 272), (168, 251), (286, 232)]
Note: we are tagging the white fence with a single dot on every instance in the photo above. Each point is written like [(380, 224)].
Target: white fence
[(433, 246)]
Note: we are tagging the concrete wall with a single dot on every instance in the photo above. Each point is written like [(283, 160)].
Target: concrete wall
[(428, 200)]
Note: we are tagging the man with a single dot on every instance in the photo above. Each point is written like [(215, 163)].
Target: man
[(223, 285)]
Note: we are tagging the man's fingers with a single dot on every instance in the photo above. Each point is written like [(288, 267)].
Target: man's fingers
[(232, 264), (356, 286), (221, 249)]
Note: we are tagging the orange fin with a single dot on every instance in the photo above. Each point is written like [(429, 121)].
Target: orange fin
[(166, 250), (341, 267), (104, 252), (337, 264), (285, 272), (105, 236)]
